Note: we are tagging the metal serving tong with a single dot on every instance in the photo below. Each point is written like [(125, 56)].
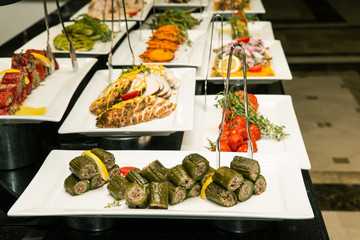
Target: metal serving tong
[(110, 66), (48, 51), (210, 50), (71, 45), (112, 9), (127, 33), (250, 146)]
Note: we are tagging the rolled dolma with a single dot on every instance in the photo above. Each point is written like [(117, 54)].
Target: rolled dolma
[(137, 196), (208, 174), (180, 177), (82, 167), (117, 187), (228, 178), (134, 176), (177, 194), (220, 195), (196, 165), (245, 191), (248, 167), (259, 185), (114, 171), (106, 157), (155, 172), (96, 181), (76, 186), (159, 195), (194, 191)]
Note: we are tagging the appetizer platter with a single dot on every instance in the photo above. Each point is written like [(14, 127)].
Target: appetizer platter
[(184, 55), (85, 118), (50, 99), (277, 108), (255, 7), (137, 10), (98, 48), (285, 196)]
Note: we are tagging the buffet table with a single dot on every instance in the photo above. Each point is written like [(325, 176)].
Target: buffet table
[(13, 181)]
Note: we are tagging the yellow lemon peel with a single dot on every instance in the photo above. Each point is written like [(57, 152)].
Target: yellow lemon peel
[(44, 60), (204, 186), (100, 165), (235, 64), (27, 81)]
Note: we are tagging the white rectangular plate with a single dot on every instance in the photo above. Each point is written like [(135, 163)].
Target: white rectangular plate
[(140, 16), (258, 29), (81, 120), (277, 108), (100, 48), (256, 7), (279, 63), (189, 4), (54, 92), (284, 198), (184, 56), (204, 18)]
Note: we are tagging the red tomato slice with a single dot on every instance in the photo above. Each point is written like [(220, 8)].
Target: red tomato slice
[(245, 39), (132, 13), (130, 95), (256, 68), (125, 170)]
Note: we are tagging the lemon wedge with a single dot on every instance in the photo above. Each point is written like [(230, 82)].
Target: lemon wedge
[(203, 188), (235, 64), (100, 165), (27, 81), (44, 60)]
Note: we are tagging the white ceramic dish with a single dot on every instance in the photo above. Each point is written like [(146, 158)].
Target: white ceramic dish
[(184, 55), (256, 7), (284, 198), (140, 16), (279, 63), (81, 120), (189, 4), (100, 48), (277, 108), (54, 92)]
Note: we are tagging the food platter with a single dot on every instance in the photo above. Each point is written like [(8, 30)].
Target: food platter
[(81, 120), (54, 93), (279, 64), (256, 7), (189, 4), (184, 56), (204, 18), (100, 48), (140, 16), (284, 198), (277, 108)]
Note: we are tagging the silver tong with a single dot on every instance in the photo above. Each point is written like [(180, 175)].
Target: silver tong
[(48, 51), (71, 45), (110, 67), (127, 33)]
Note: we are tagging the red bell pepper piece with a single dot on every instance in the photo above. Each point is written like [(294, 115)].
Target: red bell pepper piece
[(256, 68), (125, 170), (130, 95), (245, 39)]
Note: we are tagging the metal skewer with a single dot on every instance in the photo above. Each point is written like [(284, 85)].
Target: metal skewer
[(71, 45), (127, 33), (48, 51)]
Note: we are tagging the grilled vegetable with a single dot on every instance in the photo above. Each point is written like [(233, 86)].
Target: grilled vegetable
[(106, 157), (155, 172), (114, 171), (248, 167), (259, 185), (245, 191), (194, 191), (75, 186), (196, 165), (207, 175), (134, 176), (159, 195), (117, 187), (137, 196), (228, 178), (177, 194), (81, 42), (82, 167), (96, 181), (180, 177), (220, 195)]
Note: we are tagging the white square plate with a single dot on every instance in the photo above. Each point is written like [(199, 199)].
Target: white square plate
[(100, 48), (81, 120), (277, 108), (256, 7), (285, 196), (54, 92), (184, 55)]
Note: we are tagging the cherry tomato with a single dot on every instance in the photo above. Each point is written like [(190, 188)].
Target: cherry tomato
[(125, 170), (238, 121), (235, 129), (256, 68), (245, 39), (243, 133), (243, 148), (132, 13), (130, 95), (235, 141), (224, 147), (254, 129), (225, 135)]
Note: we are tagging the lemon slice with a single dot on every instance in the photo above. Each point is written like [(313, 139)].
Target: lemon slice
[(27, 81), (44, 60), (100, 165), (235, 64), (207, 182)]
